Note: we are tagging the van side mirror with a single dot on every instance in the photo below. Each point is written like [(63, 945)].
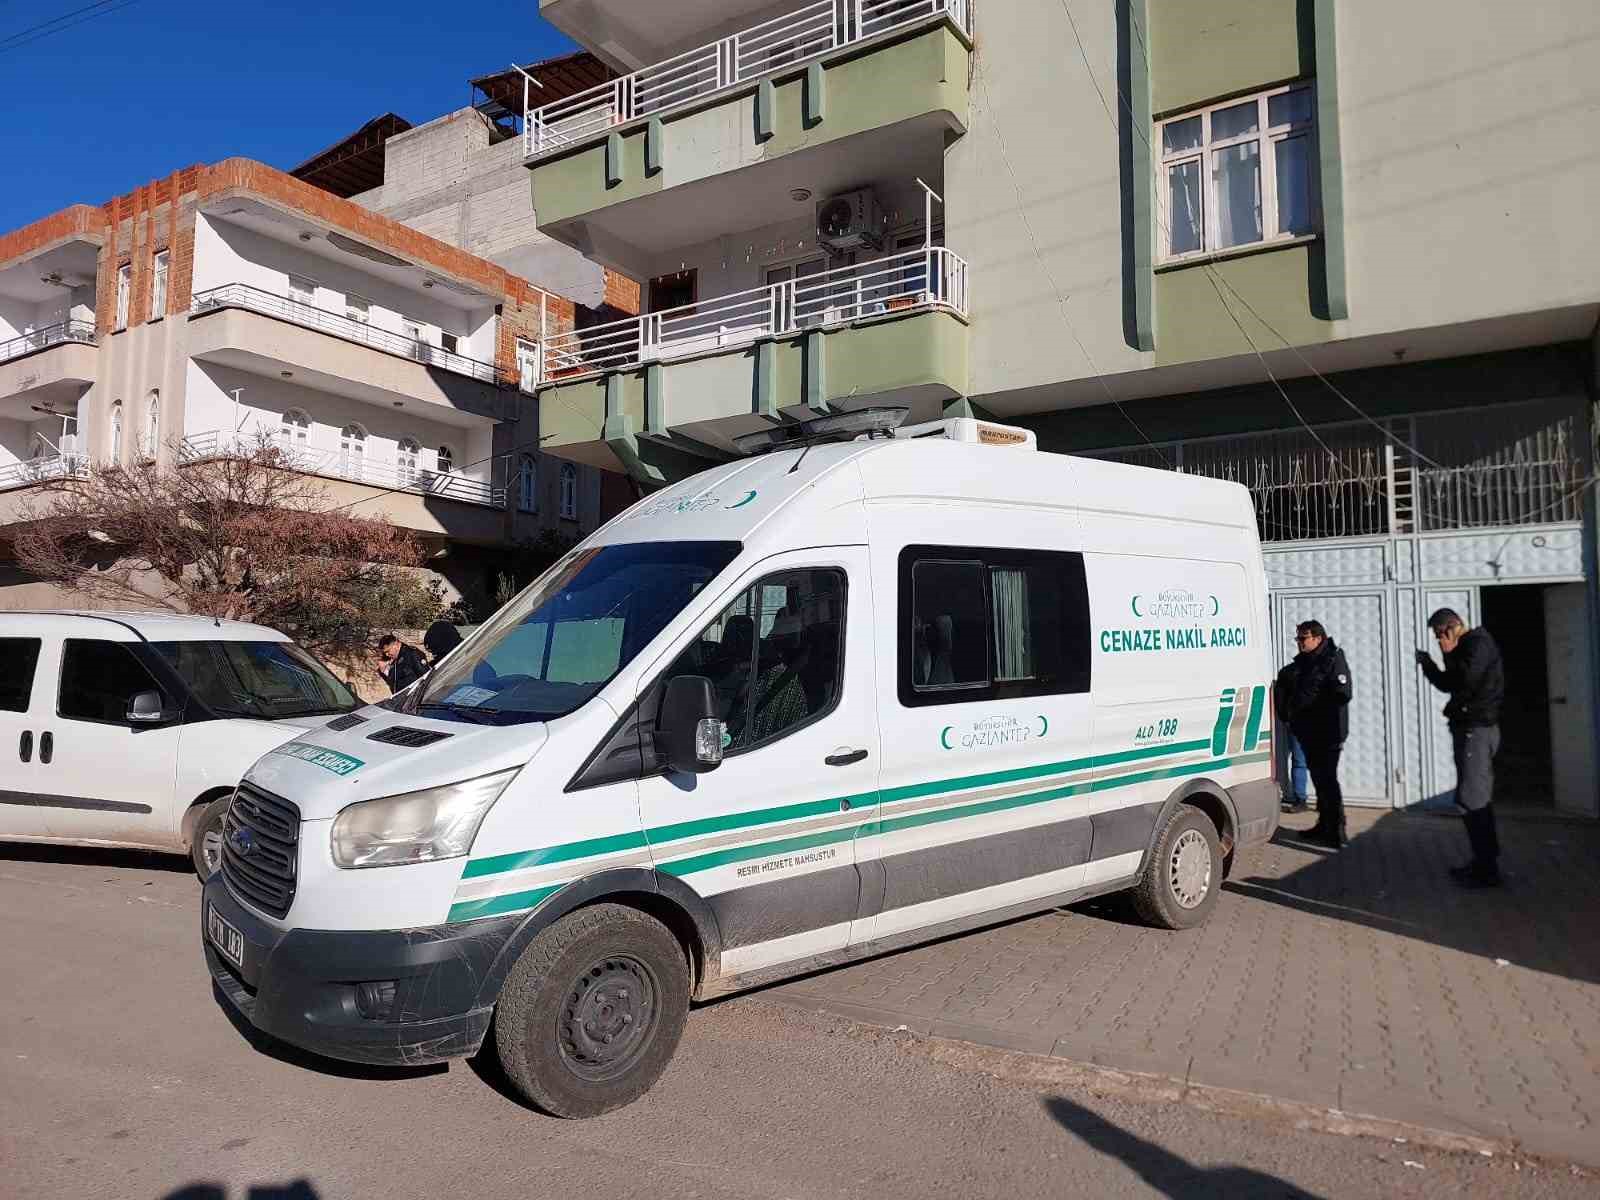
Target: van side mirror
[(688, 732), (146, 709)]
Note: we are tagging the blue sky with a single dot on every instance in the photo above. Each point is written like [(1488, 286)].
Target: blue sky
[(136, 92)]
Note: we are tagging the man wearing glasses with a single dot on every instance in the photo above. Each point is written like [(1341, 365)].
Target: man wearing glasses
[(1475, 679), (1316, 699)]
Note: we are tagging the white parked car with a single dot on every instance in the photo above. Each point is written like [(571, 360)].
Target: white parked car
[(133, 729)]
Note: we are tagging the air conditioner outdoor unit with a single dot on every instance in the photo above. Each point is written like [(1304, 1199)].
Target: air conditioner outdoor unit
[(850, 221)]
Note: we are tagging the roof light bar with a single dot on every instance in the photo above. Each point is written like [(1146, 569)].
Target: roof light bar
[(881, 421)]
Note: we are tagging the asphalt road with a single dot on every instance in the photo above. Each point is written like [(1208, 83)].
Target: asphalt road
[(121, 1077)]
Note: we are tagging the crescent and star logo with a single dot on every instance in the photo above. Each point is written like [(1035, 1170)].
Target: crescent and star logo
[(1174, 602)]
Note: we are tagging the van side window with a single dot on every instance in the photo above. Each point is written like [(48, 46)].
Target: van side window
[(774, 655), (98, 679), (21, 658), (990, 624)]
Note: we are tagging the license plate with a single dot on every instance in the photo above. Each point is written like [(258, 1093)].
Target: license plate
[(225, 938)]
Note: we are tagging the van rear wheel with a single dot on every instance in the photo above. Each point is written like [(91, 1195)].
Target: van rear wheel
[(1183, 875), (592, 1011)]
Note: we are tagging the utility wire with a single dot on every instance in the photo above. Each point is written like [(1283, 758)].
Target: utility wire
[(34, 33)]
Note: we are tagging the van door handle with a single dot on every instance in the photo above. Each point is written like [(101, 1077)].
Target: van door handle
[(845, 758), (47, 747), (25, 746)]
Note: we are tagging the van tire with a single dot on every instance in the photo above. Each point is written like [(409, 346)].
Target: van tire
[(1183, 875), (603, 972), (208, 822)]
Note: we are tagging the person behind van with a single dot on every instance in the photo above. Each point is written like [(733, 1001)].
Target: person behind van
[(399, 664), (1319, 717), (441, 638), (1293, 766), (1475, 679)]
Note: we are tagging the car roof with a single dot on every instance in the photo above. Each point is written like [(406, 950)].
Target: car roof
[(137, 626)]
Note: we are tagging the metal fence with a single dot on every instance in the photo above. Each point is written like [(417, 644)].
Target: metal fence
[(815, 29), (933, 278), (297, 312), (1513, 464), (41, 469), (350, 464), (50, 335)]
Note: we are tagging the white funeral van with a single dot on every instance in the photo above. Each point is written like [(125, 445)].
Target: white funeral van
[(821, 702), (133, 729)]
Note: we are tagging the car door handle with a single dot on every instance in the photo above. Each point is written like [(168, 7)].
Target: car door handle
[(25, 746), (845, 758), (47, 747)]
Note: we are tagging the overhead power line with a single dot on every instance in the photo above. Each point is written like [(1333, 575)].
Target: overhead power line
[(66, 21)]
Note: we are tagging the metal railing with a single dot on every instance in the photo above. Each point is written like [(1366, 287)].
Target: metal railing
[(355, 466), (41, 469), (81, 332), (816, 29), (933, 278), (1513, 464), (309, 316)]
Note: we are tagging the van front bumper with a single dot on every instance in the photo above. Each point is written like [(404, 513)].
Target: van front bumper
[(391, 997)]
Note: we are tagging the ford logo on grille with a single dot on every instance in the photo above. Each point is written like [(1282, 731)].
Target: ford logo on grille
[(244, 841)]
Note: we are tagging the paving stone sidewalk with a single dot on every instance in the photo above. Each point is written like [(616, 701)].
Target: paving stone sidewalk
[(1362, 981)]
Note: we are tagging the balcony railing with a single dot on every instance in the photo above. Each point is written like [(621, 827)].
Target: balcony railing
[(51, 335), (921, 280), (309, 316), (818, 28), (356, 466), (41, 469)]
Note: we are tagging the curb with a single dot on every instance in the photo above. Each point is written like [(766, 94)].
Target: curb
[(1020, 1062)]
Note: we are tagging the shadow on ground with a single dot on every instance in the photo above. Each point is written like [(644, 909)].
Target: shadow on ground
[(1394, 876), (97, 856), (1166, 1172), (300, 1189)]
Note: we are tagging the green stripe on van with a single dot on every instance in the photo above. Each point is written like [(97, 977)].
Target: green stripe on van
[(491, 906), (1252, 729), (590, 848)]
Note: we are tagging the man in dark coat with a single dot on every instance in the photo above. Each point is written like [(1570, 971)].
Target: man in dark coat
[(399, 664), (1474, 676), (1317, 690)]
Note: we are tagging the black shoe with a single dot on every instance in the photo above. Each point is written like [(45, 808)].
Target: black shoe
[(1463, 872), (1474, 876), (1319, 837), (1294, 806)]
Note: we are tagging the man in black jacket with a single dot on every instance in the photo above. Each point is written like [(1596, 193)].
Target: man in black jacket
[(1475, 678), (399, 664), (1316, 689)]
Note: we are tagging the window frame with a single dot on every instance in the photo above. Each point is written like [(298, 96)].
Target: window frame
[(1267, 137), (569, 492), (527, 484), (150, 439), (169, 698), (124, 296), (117, 431), (160, 267), (33, 674), (988, 558)]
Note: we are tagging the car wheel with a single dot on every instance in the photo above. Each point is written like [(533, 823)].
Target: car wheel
[(205, 843), (592, 1011), (1183, 875)]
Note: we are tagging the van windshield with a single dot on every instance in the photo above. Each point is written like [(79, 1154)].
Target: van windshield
[(553, 647), (264, 680)]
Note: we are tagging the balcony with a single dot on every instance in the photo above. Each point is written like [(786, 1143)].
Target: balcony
[(676, 85), (80, 332), (333, 463), (729, 137), (46, 467), (889, 330), (274, 336)]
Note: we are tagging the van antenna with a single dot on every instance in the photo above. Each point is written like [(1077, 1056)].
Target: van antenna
[(809, 444)]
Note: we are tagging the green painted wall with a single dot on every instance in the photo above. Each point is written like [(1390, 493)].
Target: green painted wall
[(930, 348), (570, 413), (1279, 284), (1204, 49), (879, 87)]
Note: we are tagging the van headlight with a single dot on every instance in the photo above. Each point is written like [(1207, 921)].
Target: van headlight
[(435, 823)]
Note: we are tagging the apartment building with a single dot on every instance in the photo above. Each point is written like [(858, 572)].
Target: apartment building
[(1337, 252), (233, 302)]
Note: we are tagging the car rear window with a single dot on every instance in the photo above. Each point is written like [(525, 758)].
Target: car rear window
[(20, 657)]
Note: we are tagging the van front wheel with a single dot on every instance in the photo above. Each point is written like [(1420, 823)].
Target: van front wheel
[(1183, 874), (592, 1011)]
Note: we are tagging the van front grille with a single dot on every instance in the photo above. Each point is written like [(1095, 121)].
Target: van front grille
[(260, 840)]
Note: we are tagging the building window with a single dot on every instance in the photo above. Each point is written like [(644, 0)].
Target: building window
[(406, 454), (152, 424), (38, 448), (357, 308), (124, 281), (527, 365), (1239, 173), (569, 491), (449, 342), (158, 289), (352, 451), (116, 434), (293, 429), (302, 290), (446, 460), (528, 484)]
